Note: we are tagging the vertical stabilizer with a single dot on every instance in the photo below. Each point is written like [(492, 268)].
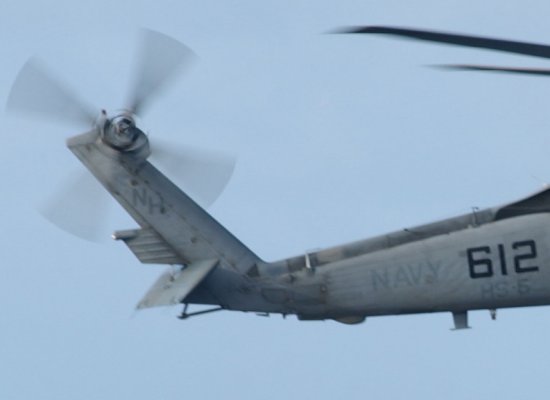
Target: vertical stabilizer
[(170, 220)]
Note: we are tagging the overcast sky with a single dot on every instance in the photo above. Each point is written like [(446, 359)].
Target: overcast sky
[(339, 138)]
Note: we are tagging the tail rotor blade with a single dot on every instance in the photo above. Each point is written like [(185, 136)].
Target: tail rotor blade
[(36, 91), (201, 174), (80, 207), (160, 59)]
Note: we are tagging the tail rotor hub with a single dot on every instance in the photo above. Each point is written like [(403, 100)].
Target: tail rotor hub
[(121, 132)]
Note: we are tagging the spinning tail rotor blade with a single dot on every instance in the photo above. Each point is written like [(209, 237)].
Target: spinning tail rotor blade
[(202, 174), (509, 46), (79, 207), (35, 91), (160, 59)]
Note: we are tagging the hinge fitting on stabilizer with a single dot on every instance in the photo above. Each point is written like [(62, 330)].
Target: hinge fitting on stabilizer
[(184, 314)]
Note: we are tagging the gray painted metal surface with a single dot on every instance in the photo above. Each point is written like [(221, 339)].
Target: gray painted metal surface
[(173, 286), (488, 259)]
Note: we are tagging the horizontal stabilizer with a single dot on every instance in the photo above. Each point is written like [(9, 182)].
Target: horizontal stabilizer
[(173, 287), (148, 246)]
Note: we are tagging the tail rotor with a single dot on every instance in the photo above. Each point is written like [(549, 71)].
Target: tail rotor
[(161, 59)]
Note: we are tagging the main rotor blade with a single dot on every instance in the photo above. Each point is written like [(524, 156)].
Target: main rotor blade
[(160, 59), (35, 91), (203, 175), (509, 46), (488, 68)]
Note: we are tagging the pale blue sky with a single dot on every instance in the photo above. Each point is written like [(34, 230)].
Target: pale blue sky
[(338, 137)]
